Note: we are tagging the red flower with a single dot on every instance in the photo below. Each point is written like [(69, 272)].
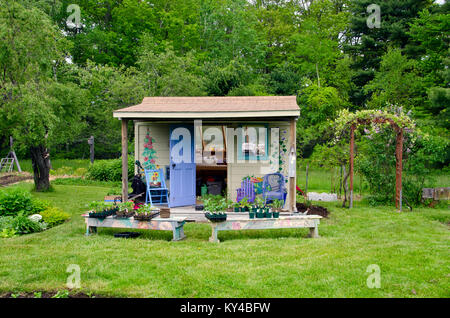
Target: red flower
[(137, 206), (146, 159), (152, 161)]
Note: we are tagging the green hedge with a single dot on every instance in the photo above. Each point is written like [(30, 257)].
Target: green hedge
[(109, 170)]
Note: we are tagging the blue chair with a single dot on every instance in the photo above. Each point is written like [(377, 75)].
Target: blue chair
[(247, 190), (157, 191), (273, 187)]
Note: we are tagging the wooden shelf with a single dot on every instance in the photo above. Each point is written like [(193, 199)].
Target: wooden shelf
[(211, 167)]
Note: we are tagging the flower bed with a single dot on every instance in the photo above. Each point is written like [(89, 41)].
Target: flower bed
[(21, 214)]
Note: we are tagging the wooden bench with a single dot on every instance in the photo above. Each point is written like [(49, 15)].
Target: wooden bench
[(284, 222), (174, 224)]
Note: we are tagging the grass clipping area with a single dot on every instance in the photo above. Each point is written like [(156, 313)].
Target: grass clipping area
[(411, 250)]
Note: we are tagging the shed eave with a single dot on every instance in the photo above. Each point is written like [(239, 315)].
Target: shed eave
[(200, 115)]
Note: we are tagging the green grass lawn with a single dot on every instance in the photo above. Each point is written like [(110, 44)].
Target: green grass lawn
[(411, 249)]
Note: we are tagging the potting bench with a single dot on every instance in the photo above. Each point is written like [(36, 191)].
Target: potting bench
[(174, 224), (284, 222)]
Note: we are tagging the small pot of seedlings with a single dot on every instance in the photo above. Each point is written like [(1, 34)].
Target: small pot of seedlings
[(146, 213), (101, 210), (126, 210)]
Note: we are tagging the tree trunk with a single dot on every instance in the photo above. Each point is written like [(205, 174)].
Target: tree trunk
[(40, 159)]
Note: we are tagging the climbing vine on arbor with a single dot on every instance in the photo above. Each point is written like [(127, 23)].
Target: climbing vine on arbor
[(399, 122), (346, 119)]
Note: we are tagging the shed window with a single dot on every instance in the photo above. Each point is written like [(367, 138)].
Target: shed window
[(253, 143)]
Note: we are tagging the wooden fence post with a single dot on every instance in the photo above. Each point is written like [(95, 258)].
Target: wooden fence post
[(91, 148)]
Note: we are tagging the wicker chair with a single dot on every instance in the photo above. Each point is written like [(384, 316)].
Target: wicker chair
[(273, 187)]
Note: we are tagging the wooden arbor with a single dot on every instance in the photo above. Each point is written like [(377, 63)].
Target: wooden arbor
[(369, 117)]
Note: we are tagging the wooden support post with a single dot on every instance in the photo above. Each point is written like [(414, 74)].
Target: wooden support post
[(352, 147), (398, 168), (124, 160), (293, 178)]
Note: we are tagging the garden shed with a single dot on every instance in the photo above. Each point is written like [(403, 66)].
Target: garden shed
[(213, 143)]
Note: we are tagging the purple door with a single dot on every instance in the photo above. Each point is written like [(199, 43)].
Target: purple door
[(182, 166)]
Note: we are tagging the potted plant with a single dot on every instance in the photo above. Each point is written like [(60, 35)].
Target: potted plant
[(146, 213), (277, 205), (215, 207), (253, 209), (260, 207), (125, 210), (267, 213), (245, 205), (236, 207), (230, 205), (98, 209)]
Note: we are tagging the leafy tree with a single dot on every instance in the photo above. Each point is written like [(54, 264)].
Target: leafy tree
[(318, 106), (430, 33), (317, 44), (107, 89), (167, 74), (395, 82), (39, 111), (284, 80), (277, 21)]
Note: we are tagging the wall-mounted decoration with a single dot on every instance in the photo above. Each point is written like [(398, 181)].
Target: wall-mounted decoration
[(149, 153), (275, 153)]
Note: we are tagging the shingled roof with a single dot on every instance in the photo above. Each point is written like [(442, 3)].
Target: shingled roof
[(210, 107)]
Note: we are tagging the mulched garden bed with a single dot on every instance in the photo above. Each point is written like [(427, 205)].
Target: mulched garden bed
[(47, 295), (313, 210), (6, 179)]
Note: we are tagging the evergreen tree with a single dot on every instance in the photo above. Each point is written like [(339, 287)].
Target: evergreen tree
[(368, 45)]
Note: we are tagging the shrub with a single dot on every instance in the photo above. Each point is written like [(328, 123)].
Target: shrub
[(16, 201), (109, 170), (5, 233), (6, 222), (54, 216), (114, 191), (23, 225), (421, 153), (40, 205), (80, 172), (63, 171)]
